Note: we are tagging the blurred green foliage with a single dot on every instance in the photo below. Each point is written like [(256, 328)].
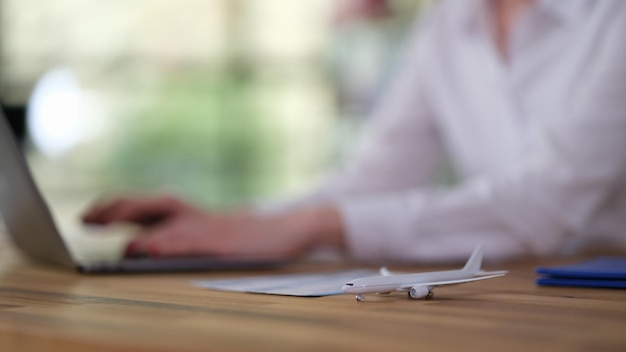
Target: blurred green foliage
[(203, 138)]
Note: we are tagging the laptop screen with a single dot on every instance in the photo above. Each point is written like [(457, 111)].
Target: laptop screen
[(26, 216)]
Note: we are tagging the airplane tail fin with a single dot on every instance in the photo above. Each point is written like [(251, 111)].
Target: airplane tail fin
[(475, 261)]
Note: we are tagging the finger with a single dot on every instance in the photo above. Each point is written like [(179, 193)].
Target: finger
[(135, 249), (161, 240), (95, 211), (105, 212), (136, 210)]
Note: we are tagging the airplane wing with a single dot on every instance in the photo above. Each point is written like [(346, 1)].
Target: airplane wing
[(408, 286), (484, 273)]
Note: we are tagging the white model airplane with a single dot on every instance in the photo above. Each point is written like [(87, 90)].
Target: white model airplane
[(420, 285)]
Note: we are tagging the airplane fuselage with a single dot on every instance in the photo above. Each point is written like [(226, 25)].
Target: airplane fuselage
[(379, 284)]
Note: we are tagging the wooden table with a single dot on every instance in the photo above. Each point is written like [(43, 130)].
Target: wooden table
[(44, 309)]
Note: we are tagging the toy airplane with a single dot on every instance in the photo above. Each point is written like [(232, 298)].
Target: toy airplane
[(421, 285)]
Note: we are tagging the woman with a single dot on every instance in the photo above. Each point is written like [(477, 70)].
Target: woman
[(528, 100)]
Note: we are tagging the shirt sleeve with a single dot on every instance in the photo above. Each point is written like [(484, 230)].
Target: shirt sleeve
[(558, 187)]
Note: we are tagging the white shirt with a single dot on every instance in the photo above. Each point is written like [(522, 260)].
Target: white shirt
[(539, 141)]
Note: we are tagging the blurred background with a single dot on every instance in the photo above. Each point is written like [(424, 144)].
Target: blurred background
[(219, 101)]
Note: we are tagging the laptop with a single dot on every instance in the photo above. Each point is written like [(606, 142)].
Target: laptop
[(32, 228)]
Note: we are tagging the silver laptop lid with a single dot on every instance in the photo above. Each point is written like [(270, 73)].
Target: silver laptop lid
[(26, 216)]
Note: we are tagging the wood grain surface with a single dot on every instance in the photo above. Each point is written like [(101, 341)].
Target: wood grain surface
[(45, 309)]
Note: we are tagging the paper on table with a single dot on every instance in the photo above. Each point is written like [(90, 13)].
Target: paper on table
[(303, 285)]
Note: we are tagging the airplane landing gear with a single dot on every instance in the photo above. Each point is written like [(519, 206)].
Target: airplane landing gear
[(360, 298)]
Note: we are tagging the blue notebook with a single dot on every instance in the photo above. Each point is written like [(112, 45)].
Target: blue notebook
[(607, 272)]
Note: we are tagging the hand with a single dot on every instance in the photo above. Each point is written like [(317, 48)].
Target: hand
[(171, 227)]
